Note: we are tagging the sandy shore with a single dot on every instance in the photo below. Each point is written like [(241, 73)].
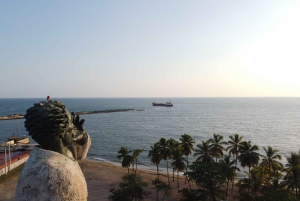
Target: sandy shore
[(100, 178)]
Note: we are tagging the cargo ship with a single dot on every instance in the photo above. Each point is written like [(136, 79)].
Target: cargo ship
[(167, 104)]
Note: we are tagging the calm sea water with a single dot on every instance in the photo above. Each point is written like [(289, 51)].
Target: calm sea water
[(264, 121)]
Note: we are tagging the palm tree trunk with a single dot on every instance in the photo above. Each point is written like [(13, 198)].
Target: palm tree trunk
[(227, 187), (187, 163), (189, 183), (232, 185), (135, 166), (177, 179), (236, 157), (173, 174), (157, 171), (168, 172), (249, 173)]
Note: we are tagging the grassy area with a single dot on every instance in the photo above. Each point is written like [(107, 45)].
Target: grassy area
[(11, 174)]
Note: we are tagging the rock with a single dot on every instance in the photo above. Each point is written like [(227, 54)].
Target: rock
[(49, 175)]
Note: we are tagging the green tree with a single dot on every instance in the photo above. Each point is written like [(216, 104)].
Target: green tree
[(292, 178), (135, 155), (229, 169), (210, 177), (161, 186), (248, 157), (254, 183), (275, 195), (269, 161), (131, 188), (216, 148), (293, 161), (190, 195), (127, 158), (187, 143), (156, 156), (173, 145), (178, 163), (165, 150), (234, 143), (203, 153)]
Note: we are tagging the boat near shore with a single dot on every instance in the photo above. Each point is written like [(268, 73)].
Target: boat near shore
[(14, 143), (167, 104)]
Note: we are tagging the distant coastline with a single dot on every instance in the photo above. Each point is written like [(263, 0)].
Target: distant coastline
[(21, 116)]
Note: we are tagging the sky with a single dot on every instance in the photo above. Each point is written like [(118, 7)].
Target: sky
[(170, 48)]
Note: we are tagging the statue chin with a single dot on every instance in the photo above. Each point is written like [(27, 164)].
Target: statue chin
[(79, 148)]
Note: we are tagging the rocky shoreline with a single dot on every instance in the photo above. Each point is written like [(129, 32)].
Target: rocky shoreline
[(20, 116)]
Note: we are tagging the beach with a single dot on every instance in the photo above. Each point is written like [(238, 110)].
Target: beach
[(100, 178)]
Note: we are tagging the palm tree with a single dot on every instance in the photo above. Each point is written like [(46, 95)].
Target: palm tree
[(173, 145), (165, 152), (255, 182), (292, 177), (248, 156), (269, 162), (156, 156), (216, 147), (187, 144), (293, 161), (229, 169), (234, 147), (135, 154), (203, 152), (127, 158), (178, 163)]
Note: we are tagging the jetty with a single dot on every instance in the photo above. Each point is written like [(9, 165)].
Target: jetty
[(102, 111), (20, 116), (12, 117)]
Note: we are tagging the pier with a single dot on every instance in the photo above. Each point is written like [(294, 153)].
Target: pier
[(20, 116)]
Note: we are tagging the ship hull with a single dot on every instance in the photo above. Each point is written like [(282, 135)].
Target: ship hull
[(162, 104)]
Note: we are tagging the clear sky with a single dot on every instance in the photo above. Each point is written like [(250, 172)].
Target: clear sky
[(169, 48)]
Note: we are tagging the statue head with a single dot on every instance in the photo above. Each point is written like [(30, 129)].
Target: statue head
[(52, 126)]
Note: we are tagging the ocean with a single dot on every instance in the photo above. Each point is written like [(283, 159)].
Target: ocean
[(263, 121)]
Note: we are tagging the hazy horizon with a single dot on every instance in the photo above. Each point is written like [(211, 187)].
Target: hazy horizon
[(167, 98), (136, 49)]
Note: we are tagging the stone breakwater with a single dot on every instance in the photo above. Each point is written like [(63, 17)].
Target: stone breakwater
[(11, 117), (20, 116), (103, 111)]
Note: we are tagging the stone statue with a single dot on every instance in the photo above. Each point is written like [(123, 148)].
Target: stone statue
[(52, 171)]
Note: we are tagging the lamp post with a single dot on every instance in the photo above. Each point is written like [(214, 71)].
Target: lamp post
[(5, 162)]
